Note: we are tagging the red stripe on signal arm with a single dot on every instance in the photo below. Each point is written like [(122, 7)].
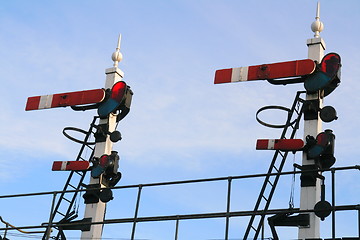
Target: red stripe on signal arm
[(262, 144), (56, 166), (77, 98), (223, 76), (280, 144), (70, 165), (32, 103)]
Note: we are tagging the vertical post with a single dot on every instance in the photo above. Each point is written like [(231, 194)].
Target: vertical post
[(136, 212), (177, 228), (228, 209), (333, 227), (96, 211), (358, 222), (48, 229), (310, 195), (6, 226)]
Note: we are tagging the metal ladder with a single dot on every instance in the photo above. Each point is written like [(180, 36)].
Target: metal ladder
[(268, 188), (63, 210)]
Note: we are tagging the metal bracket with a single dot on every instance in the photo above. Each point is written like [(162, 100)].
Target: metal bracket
[(283, 219), (101, 132), (309, 175), (83, 225), (311, 109), (92, 193)]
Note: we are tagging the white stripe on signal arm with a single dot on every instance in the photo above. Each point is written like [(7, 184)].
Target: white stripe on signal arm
[(239, 74), (63, 165), (271, 144), (45, 101)]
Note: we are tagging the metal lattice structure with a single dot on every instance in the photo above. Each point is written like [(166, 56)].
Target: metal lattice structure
[(64, 210), (276, 166)]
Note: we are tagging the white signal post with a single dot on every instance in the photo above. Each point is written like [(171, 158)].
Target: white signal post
[(310, 195), (96, 211)]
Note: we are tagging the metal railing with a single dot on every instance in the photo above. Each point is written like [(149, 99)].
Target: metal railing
[(177, 218)]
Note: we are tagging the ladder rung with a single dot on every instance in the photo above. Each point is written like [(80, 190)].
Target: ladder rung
[(81, 159), (72, 186), (253, 228), (264, 198), (67, 200), (60, 213), (276, 169), (89, 146), (270, 183), (79, 173)]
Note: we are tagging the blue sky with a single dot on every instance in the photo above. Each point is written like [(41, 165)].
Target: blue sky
[(181, 125)]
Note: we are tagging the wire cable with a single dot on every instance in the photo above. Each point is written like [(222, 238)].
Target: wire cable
[(292, 190)]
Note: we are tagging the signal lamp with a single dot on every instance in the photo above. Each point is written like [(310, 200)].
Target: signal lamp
[(323, 150), (327, 158), (100, 165), (117, 96), (108, 166), (326, 77)]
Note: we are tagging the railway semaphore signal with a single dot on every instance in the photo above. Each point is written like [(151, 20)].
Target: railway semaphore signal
[(323, 76), (320, 76), (112, 104)]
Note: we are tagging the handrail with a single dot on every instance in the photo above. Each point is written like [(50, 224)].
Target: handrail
[(190, 181)]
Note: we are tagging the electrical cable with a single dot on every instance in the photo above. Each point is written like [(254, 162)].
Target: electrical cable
[(292, 196), (292, 189), (23, 235), (76, 206)]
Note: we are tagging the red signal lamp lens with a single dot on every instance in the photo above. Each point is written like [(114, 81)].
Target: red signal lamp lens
[(101, 166), (330, 64), (323, 139), (117, 96), (103, 161), (324, 147), (118, 91)]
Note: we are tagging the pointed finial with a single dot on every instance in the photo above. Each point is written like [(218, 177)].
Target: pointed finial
[(317, 26), (117, 56)]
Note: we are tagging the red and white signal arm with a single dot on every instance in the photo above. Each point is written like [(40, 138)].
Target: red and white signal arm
[(65, 99), (265, 71), (280, 144)]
